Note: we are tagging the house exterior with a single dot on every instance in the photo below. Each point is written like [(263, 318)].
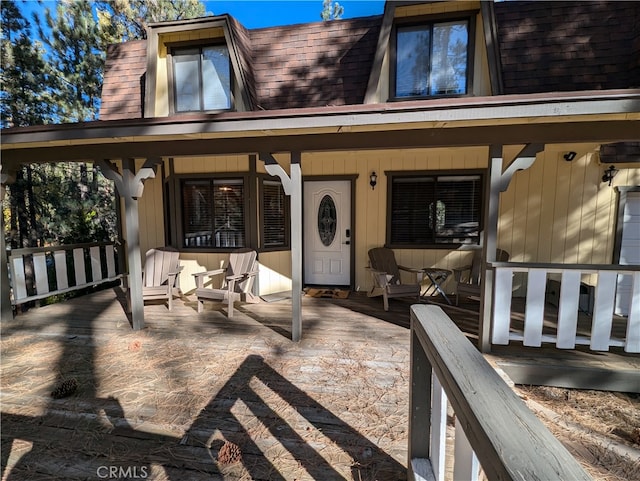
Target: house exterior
[(434, 129)]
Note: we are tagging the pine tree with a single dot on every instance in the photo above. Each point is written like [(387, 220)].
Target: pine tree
[(128, 19), (24, 73), (331, 10), (77, 55)]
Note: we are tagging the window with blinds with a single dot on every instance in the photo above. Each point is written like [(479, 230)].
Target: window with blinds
[(213, 213), (427, 210)]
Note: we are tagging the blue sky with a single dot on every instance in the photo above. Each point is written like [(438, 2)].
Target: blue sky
[(266, 13)]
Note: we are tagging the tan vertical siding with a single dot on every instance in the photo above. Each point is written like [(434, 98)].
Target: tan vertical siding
[(555, 211), (562, 212), (151, 213)]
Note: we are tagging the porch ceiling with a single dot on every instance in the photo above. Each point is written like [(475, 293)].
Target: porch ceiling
[(600, 117)]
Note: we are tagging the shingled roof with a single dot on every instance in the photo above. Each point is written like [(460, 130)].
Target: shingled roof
[(568, 46), (314, 65), (544, 47), (123, 83)]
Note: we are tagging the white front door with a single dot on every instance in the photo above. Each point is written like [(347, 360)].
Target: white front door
[(629, 250), (327, 232)]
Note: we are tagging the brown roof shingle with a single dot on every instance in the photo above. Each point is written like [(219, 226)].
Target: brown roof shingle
[(314, 65), (568, 46), (123, 84)]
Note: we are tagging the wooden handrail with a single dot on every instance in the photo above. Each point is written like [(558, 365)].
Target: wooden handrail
[(33, 250), (556, 268), (508, 440)]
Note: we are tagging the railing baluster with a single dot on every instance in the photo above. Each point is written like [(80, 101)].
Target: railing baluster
[(18, 278), (438, 429), (60, 261), (78, 266), (632, 343), (40, 272), (111, 260), (568, 310), (96, 268), (465, 465), (603, 310), (534, 310), (502, 305)]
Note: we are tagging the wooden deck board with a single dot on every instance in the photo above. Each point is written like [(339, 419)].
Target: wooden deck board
[(333, 406)]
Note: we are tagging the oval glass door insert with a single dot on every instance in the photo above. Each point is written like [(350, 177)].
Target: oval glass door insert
[(327, 220)]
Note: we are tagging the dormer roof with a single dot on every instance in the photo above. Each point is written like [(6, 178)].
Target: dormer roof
[(538, 47)]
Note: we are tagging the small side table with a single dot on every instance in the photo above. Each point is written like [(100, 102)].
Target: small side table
[(437, 278)]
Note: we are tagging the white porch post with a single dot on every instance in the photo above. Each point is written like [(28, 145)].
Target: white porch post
[(131, 186), (489, 242), (6, 311), (292, 185), (497, 182)]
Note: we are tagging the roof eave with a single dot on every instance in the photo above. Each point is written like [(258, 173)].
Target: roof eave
[(468, 110)]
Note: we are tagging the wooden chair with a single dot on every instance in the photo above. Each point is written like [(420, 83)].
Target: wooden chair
[(468, 285), (386, 277), (239, 276), (161, 275)]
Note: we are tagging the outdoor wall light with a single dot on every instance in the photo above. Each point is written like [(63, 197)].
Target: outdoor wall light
[(373, 180), (609, 174), (569, 156)]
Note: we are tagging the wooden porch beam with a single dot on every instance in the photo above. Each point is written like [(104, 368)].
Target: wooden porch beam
[(571, 132), (130, 186), (292, 185)]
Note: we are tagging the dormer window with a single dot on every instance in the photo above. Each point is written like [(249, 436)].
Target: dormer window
[(201, 78), (431, 59)]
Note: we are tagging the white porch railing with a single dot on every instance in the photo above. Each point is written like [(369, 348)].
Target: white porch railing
[(494, 430), (40, 272), (566, 336)]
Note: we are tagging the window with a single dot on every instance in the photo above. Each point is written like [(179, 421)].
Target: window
[(427, 210), (201, 78), (213, 213), (432, 59), (275, 215)]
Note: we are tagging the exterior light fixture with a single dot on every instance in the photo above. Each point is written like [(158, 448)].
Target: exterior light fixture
[(569, 156), (609, 174), (373, 180)]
